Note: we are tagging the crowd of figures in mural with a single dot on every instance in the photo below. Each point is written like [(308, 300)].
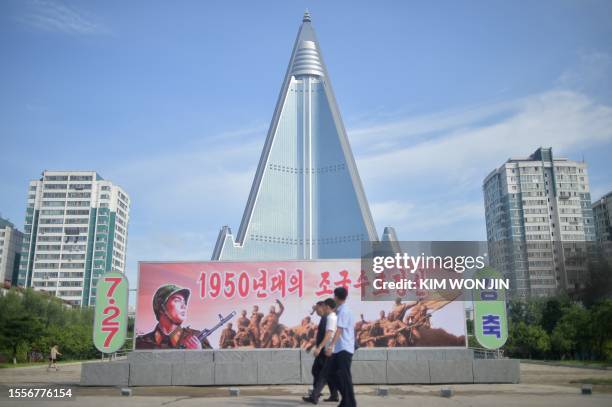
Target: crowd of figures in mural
[(406, 324), (230, 305)]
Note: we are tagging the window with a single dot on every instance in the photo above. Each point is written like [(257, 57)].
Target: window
[(77, 212), (71, 284), (54, 212), (53, 203), (74, 247), (80, 178), (50, 239), (73, 265), (73, 256), (52, 221), (43, 247), (49, 230), (74, 230), (80, 187), (76, 221), (55, 186), (79, 194), (78, 203), (47, 256), (47, 265), (52, 195), (71, 274)]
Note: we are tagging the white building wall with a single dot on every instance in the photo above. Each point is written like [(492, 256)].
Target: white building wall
[(76, 230), (539, 207)]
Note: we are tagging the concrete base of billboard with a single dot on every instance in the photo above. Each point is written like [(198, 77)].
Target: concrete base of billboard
[(408, 372), (105, 374), (497, 371), (193, 374), (292, 366), (236, 373), (151, 374), (451, 371)]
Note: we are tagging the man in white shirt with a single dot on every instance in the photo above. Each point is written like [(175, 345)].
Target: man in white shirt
[(321, 357), (343, 347)]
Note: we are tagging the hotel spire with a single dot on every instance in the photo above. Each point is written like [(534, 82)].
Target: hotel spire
[(307, 200)]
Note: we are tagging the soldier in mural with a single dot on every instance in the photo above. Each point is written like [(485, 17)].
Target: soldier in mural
[(288, 339), (243, 321), (170, 307), (254, 325), (404, 325), (244, 338), (270, 325), (227, 337), (399, 310)]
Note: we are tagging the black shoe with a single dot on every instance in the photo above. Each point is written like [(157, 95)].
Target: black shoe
[(309, 400), (332, 399)]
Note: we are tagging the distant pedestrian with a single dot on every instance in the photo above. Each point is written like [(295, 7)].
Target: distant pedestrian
[(53, 354), (343, 345)]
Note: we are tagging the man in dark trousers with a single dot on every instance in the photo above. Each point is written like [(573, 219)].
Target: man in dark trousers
[(320, 367), (342, 349)]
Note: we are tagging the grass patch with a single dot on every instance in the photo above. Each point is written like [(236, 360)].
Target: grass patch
[(9, 365), (590, 363), (599, 381), (572, 362)]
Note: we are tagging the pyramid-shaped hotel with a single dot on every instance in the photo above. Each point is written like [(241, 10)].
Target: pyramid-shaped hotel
[(307, 200)]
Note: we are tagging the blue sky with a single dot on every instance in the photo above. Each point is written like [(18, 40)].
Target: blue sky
[(172, 100)]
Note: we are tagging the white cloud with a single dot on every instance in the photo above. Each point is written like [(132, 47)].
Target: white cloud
[(55, 16), (430, 219), (561, 119), (426, 180), (391, 131)]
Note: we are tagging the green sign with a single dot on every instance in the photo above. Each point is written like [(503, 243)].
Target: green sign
[(490, 322), (110, 323)]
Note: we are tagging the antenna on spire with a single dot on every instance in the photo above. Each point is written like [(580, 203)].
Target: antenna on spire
[(306, 18)]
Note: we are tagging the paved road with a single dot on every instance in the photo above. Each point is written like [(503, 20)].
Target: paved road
[(488, 400), (540, 386)]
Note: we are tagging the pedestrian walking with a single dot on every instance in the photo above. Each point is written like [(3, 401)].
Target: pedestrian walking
[(53, 354), (341, 350), (320, 368)]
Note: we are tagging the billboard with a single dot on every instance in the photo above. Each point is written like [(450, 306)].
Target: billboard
[(193, 305), (110, 318)]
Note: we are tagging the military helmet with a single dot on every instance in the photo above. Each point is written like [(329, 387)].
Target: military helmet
[(163, 293)]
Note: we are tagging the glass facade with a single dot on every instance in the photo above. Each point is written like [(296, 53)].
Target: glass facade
[(307, 201)]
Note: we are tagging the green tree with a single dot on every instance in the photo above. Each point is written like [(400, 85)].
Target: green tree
[(552, 312), (529, 312), (572, 336), (601, 327), (17, 325), (33, 320), (527, 341)]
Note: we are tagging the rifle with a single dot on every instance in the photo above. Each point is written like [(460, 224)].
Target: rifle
[(222, 321)]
